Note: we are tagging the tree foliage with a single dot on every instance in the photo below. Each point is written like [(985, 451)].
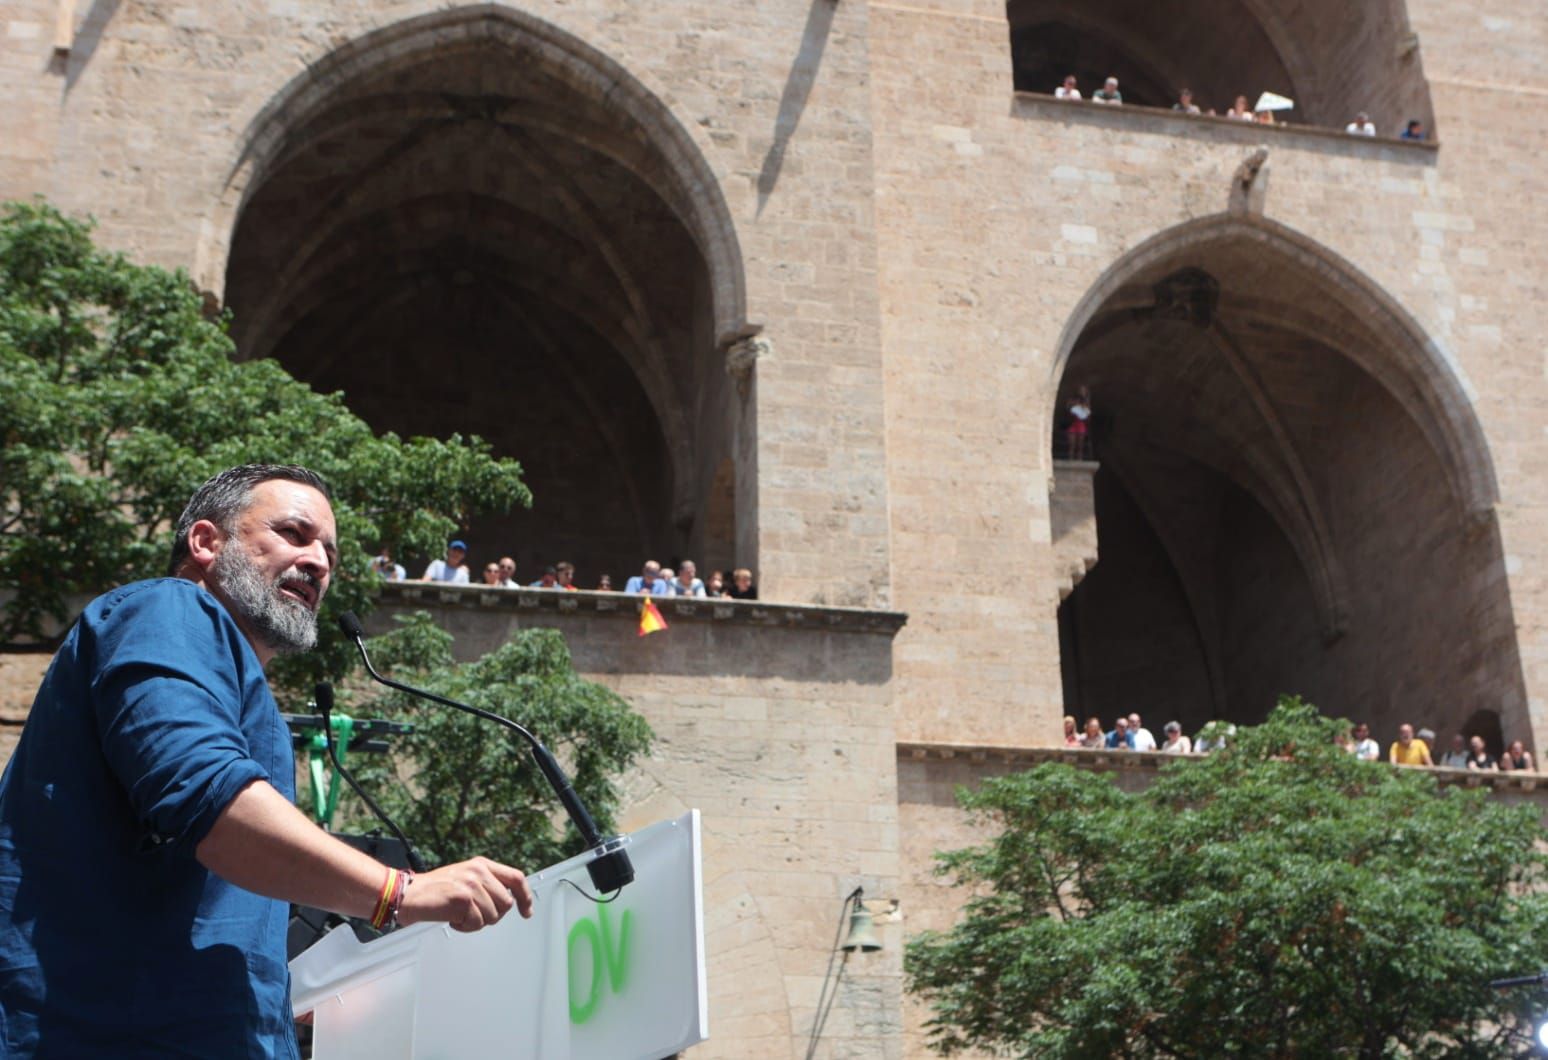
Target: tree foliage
[(121, 397), (459, 785), (1278, 898)]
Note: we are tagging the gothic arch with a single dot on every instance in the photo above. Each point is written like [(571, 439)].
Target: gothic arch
[(1417, 371), (482, 169), (1287, 459), (671, 154)]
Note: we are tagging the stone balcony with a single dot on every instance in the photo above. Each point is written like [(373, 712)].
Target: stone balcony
[(1219, 129)]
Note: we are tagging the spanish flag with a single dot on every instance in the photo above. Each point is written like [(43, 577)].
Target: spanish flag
[(650, 618)]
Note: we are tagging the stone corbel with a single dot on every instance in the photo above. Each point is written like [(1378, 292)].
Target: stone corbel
[(742, 355)]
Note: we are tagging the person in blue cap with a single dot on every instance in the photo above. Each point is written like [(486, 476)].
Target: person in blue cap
[(452, 568)]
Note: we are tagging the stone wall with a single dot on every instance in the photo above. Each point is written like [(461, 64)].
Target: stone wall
[(777, 723)]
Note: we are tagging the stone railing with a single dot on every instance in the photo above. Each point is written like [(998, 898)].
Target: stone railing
[(1217, 127), (1004, 759), (626, 606)]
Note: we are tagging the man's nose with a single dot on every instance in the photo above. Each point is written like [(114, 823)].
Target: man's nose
[(314, 559)]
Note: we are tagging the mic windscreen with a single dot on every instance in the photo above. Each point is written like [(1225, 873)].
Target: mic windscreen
[(351, 626), (322, 692)]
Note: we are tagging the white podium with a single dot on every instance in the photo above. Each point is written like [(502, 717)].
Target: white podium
[(579, 981)]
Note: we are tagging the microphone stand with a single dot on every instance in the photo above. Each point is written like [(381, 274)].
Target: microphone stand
[(323, 694), (610, 870)]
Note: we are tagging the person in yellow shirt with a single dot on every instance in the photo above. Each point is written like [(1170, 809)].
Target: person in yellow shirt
[(1408, 751)]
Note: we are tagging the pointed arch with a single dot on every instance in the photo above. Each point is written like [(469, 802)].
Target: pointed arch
[(1418, 372)]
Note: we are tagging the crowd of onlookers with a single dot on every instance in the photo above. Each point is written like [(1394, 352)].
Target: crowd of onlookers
[(653, 579), (1409, 749), (1266, 107)]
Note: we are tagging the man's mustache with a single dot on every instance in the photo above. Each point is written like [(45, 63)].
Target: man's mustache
[(310, 581)]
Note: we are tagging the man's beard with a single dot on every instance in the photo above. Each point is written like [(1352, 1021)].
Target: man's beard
[(285, 625)]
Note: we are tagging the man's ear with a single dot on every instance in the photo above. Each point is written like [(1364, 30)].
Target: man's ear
[(205, 540)]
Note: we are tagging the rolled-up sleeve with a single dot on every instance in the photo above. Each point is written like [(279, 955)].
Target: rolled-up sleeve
[(168, 703)]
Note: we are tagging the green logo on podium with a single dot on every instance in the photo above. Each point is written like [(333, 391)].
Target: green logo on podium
[(609, 948)]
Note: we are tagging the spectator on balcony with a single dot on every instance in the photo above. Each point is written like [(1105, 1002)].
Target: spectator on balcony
[(1456, 758), (687, 582), (451, 569), (1175, 743), (390, 571), (1414, 130), (1108, 93), (715, 584), (508, 573), (1120, 739), (1479, 758), (1365, 748), (1076, 433), (492, 574), (669, 576), (1140, 738), (1408, 750), (1361, 126), (1517, 759), (742, 587), (1213, 737), (564, 571), (1239, 110), (1185, 102), (649, 580), (549, 580), (1068, 89), (1071, 733), (604, 583), (1094, 737)]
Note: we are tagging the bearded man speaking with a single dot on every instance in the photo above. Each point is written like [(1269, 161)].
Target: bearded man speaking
[(148, 839)]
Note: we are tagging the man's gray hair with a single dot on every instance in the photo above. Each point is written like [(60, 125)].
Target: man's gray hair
[(226, 496)]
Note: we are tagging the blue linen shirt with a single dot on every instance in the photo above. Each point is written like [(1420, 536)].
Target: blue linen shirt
[(114, 940)]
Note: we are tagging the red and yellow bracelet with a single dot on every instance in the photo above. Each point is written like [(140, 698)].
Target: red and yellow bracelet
[(390, 902)]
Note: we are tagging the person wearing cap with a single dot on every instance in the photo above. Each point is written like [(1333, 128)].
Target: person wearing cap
[(451, 569), (549, 580)]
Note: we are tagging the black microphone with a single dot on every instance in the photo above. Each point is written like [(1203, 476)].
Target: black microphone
[(323, 694), (611, 869)]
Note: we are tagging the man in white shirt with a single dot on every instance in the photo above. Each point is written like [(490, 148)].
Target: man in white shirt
[(1068, 89), (1366, 749), (1361, 126), (1143, 740), (686, 584), (451, 569), (508, 573)]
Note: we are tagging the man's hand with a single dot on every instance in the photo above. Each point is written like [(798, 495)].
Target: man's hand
[(468, 895)]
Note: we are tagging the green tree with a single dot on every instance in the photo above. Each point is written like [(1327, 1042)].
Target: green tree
[(1278, 898), (459, 785), (121, 397)]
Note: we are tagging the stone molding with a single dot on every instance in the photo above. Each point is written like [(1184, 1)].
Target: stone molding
[(675, 609)]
